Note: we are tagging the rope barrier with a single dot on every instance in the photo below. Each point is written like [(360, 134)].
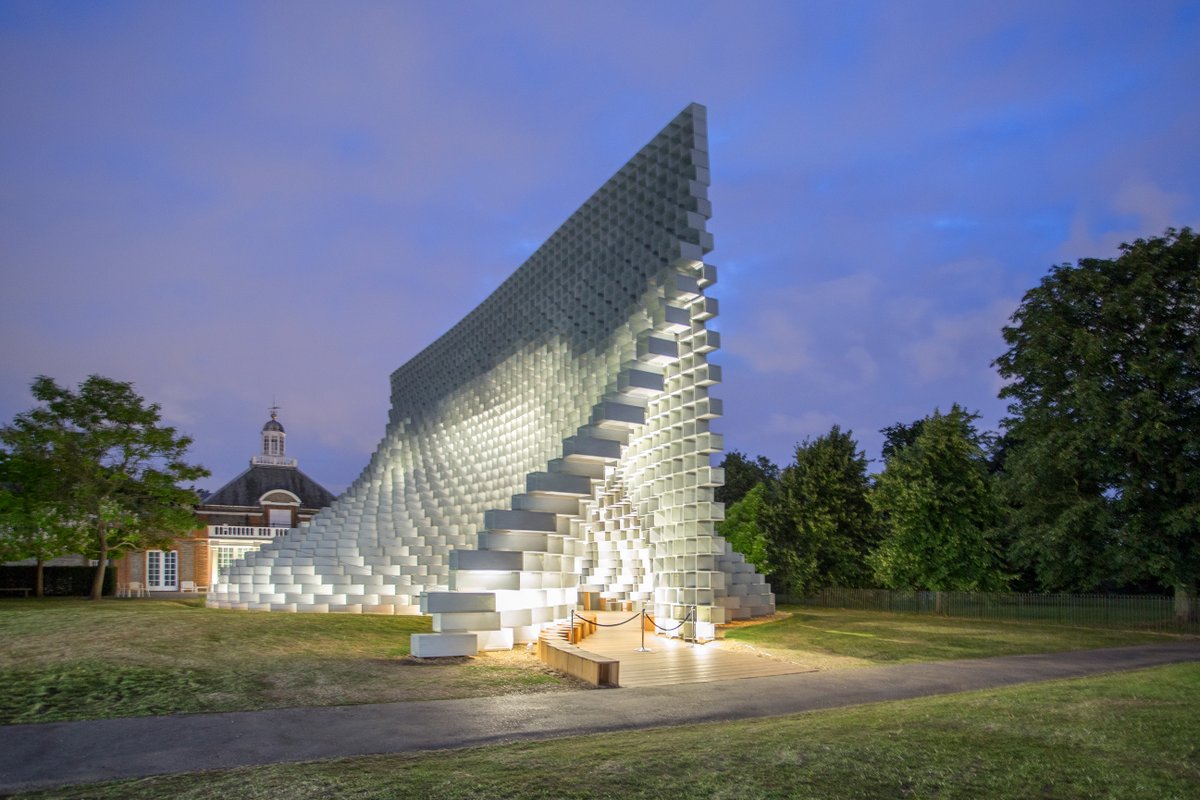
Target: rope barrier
[(682, 622), (644, 616), (604, 624)]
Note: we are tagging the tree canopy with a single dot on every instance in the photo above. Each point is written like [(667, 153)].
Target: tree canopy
[(899, 436), (1103, 433), (742, 474), (111, 469), (817, 520), (34, 523), (939, 510)]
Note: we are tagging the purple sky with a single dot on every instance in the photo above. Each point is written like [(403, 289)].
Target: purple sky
[(227, 203)]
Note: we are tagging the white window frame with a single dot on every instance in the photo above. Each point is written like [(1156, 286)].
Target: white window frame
[(162, 570)]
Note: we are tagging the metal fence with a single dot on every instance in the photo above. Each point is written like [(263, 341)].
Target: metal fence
[(1130, 612)]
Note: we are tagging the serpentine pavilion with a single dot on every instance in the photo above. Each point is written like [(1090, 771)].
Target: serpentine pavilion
[(551, 451)]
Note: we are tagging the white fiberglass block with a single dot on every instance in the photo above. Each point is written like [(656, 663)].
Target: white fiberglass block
[(507, 520), (496, 639), (466, 621), (447, 602), (427, 645), (461, 581), (485, 560)]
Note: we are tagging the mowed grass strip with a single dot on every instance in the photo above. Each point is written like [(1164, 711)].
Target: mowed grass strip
[(827, 638), (66, 659), (1130, 736)]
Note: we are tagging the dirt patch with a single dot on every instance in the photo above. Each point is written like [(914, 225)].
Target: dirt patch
[(519, 658), (441, 661)]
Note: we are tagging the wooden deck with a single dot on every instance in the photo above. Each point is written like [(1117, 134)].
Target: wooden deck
[(672, 661)]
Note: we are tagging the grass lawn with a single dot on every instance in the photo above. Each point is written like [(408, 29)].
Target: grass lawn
[(65, 659), (829, 638), (1130, 736)]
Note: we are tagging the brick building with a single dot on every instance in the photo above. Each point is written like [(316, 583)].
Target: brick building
[(265, 501)]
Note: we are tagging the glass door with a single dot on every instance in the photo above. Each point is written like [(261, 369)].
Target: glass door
[(162, 570)]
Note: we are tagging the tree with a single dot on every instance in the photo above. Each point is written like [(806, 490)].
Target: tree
[(742, 475), (940, 510), (32, 523), (743, 529), (115, 470), (818, 522), (898, 436), (1103, 433)]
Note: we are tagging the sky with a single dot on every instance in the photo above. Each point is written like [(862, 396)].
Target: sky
[(235, 204)]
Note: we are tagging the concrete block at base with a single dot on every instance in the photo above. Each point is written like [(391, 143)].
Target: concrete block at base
[(439, 645)]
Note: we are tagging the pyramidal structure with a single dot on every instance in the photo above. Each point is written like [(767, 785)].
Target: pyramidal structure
[(554, 447)]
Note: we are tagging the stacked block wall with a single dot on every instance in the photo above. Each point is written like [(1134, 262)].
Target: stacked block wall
[(610, 313)]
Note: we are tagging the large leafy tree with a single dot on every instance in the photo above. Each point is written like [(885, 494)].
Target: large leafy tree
[(817, 519), (1103, 437), (33, 523), (940, 510), (742, 474), (114, 470)]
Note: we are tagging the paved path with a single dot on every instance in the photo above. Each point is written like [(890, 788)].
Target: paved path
[(62, 753)]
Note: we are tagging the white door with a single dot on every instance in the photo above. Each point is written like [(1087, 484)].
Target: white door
[(162, 570)]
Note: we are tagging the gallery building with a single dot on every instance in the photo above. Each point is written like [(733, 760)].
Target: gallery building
[(263, 503)]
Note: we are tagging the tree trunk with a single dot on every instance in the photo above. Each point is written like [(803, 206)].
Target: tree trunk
[(938, 602), (39, 580), (101, 565), (1185, 603)]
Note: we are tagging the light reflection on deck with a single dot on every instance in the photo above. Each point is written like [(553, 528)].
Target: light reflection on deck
[(673, 661)]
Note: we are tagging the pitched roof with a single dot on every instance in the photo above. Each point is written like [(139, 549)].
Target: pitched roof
[(247, 488)]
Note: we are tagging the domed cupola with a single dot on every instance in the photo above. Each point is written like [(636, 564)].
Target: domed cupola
[(274, 444)]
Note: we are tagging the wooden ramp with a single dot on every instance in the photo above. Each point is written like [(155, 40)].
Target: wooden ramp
[(672, 661)]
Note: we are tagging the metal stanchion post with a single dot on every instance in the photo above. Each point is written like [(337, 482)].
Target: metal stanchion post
[(643, 648)]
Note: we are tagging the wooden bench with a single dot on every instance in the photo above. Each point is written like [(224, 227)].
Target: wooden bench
[(577, 662), (14, 589)]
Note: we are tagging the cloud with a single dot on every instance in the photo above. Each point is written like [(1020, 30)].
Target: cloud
[(1136, 207), (810, 331), (956, 344), (780, 344), (1154, 207)]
